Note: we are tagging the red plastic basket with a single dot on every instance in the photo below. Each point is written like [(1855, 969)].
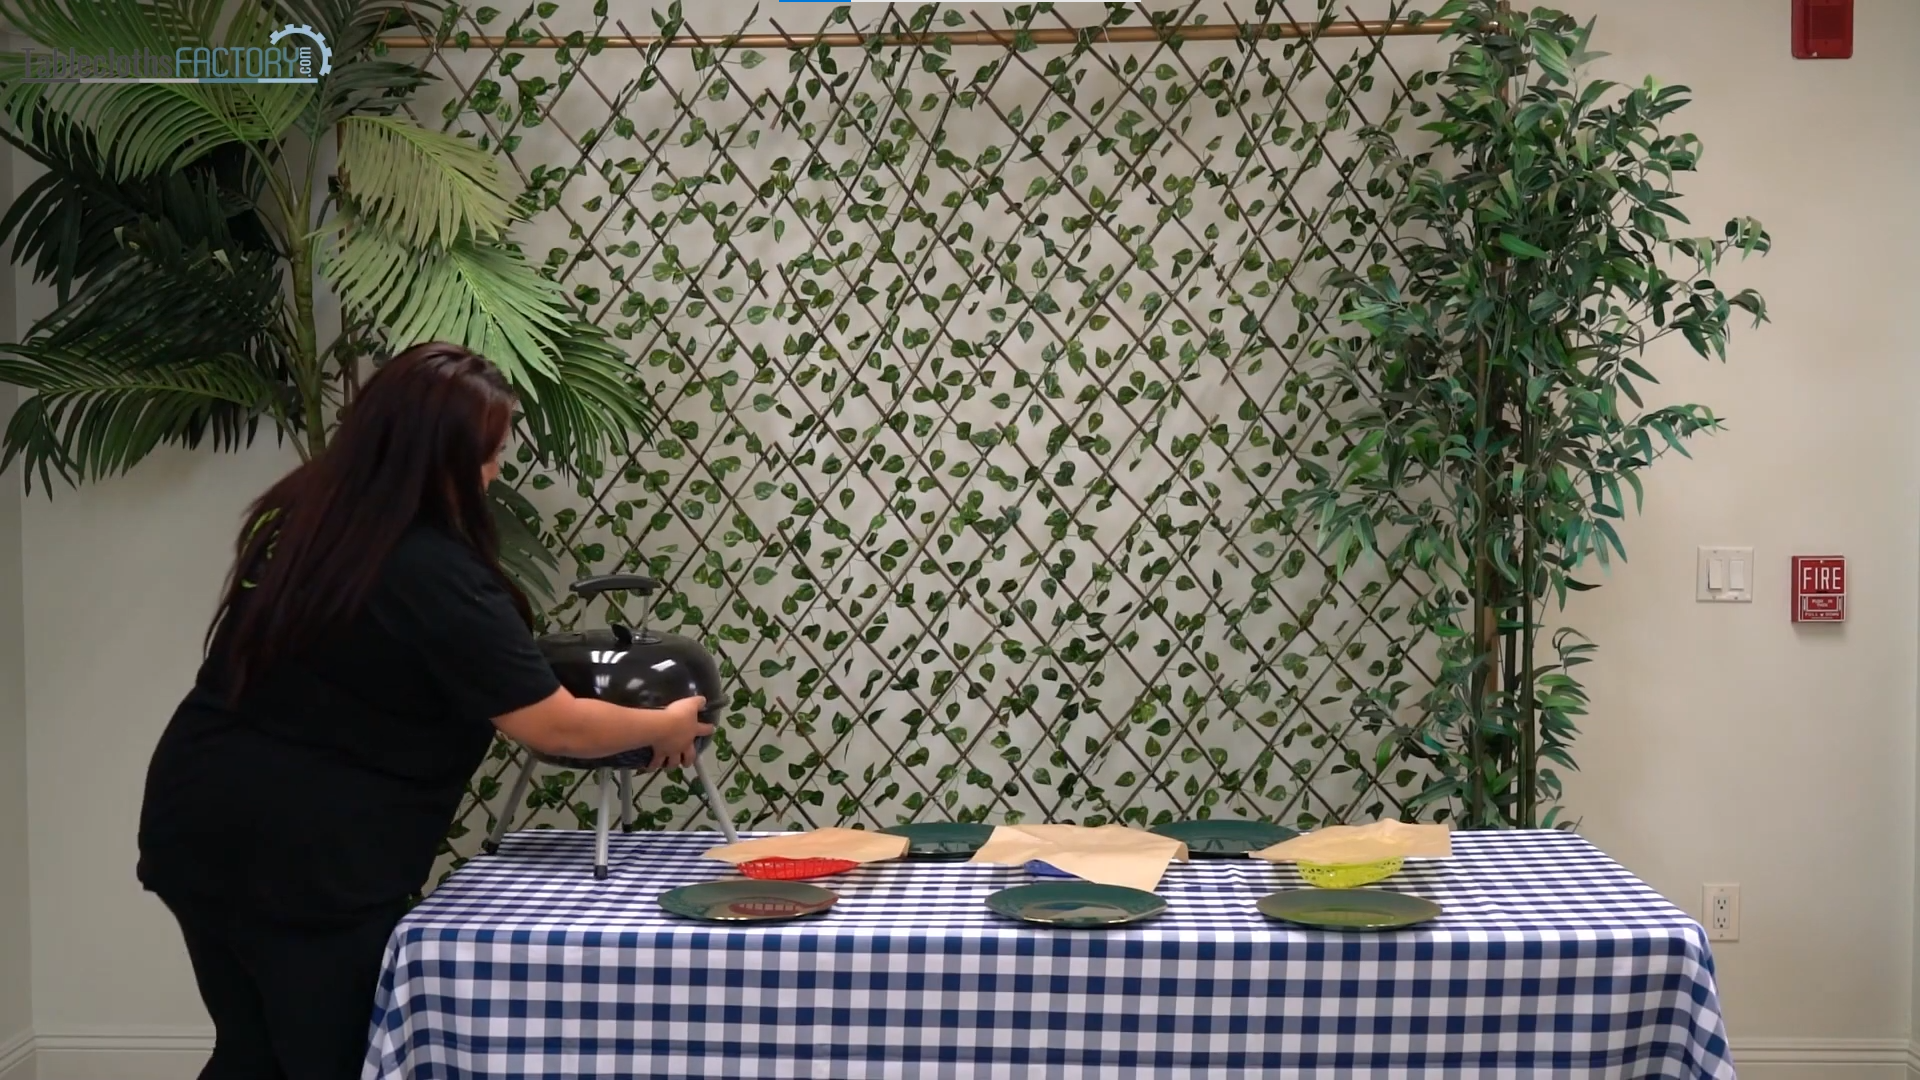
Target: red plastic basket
[(782, 869)]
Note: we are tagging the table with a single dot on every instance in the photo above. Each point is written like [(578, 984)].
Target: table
[(1551, 960)]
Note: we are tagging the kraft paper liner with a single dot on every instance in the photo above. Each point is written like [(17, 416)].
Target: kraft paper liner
[(1347, 845), (854, 845), (1109, 854)]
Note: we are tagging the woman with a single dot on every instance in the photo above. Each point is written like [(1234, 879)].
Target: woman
[(365, 652)]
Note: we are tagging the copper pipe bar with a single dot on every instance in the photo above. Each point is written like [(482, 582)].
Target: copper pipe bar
[(1053, 35)]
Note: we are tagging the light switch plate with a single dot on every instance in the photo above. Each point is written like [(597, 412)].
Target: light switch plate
[(1725, 576)]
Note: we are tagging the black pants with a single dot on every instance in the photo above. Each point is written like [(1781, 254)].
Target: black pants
[(288, 1001)]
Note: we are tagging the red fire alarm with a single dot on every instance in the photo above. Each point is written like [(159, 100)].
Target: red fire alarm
[(1819, 588), (1822, 29)]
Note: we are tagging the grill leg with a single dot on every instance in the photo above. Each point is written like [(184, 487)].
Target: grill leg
[(501, 823), (601, 823), (626, 799), (716, 803)]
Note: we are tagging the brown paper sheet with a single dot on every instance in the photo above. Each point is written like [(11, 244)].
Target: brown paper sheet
[(1345, 845), (1109, 854), (856, 845)]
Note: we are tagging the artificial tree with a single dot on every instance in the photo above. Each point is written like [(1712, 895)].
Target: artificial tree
[(1490, 374), (186, 227)]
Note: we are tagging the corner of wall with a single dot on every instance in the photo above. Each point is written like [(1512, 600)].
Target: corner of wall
[(16, 939), (16, 1057)]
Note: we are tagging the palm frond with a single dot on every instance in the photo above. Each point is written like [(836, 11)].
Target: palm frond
[(581, 398), (485, 297), (597, 409), (252, 24), (523, 555), (147, 128), (423, 188), (66, 223), (351, 26), (187, 21), (176, 342), (173, 301), (366, 86), (362, 82), (87, 418)]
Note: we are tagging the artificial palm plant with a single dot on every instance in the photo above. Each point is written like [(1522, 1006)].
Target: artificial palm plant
[(186, 227)]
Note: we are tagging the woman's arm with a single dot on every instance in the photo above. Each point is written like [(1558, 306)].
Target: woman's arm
[(568, 726)]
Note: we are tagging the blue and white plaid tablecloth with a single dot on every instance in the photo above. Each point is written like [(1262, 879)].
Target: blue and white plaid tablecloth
[(1551, 960)]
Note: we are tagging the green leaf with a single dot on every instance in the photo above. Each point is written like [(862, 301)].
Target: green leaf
[(69, 220), (1751, 302), (595, 410), (1551, 55), (87, 417), (484, 296), (149, 128), (363, 79), (1520, 247), (523, 555), (424, 188)]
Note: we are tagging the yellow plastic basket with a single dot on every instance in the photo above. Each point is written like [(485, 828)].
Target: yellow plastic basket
[(1348, 875)]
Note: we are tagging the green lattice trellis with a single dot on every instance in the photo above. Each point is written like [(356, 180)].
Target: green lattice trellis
[(983, 372)]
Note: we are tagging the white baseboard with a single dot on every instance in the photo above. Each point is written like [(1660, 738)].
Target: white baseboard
[(138, 1054), (178, 1053), (1824, 1051), (16, 1057), (1824, 1059)]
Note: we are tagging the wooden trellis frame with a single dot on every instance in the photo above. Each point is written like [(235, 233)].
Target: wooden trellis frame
[(1050, 35), (1124, 746)]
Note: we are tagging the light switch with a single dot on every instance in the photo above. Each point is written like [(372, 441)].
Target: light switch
[(1725, 575)]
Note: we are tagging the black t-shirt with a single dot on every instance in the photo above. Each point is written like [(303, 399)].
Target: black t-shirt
[(328, 788)]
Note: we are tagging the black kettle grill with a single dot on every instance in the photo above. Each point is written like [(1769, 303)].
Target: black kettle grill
[(639, 668)]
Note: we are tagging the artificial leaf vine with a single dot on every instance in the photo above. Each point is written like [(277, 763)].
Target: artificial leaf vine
[(1000, 438), (981, 380)]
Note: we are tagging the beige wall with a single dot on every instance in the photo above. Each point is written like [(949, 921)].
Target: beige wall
[(16, 970), (16, 986), (1725, 746), (16, 973), (121, 579)]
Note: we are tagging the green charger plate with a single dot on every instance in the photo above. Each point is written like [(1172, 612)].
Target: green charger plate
[(941, 839), (1348, 909), (747, 900), (1076, 904), (1222, 839)]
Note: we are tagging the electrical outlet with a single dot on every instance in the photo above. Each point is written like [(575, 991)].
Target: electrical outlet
[(1723, 912)]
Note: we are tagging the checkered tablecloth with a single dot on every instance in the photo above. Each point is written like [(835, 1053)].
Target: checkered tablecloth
[(1551, 960)]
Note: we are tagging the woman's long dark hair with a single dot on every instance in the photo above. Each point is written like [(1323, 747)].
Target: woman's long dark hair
[(409, 449)]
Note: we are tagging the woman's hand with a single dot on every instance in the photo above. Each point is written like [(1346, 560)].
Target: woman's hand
[(590, 728), (680, 726)]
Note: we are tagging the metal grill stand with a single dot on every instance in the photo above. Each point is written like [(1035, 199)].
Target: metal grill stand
[(622, 765)]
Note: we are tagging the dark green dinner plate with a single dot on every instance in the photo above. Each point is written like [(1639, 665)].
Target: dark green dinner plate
[(942, 839), (1348, 909), (747, 900), (1076, 904), (1220, 839)]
